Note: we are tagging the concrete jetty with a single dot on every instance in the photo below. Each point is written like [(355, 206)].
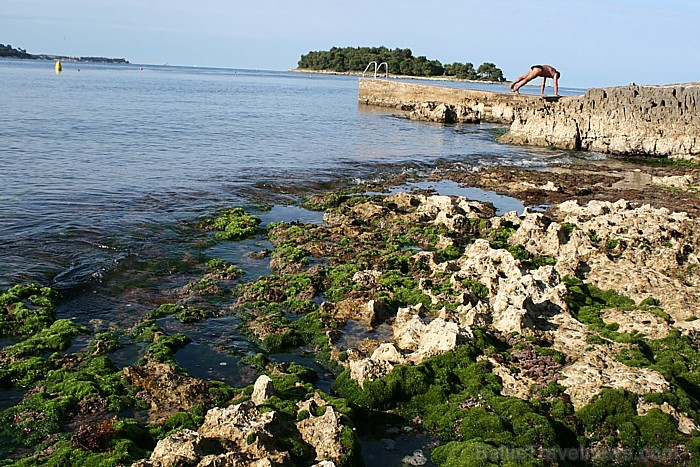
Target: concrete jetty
[(659, 121)]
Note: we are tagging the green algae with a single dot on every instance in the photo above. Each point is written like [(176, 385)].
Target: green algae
[(677, 358), (204, 285), (586, 303), (400, 290), (324, 201), (65, 386), (104, 343), (186, 314), (222, 267), (612, 243), (499, 239), (26, 309), (117, 452), (406, 382), (191, 420), (233, 224), (612, 418), (295, 385), (163, 347), (457, 399), (122, 442), (287, 255), (58, 336), (480, 291), (339, 281)]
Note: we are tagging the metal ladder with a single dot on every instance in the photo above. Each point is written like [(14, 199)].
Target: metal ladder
[(377, 68)]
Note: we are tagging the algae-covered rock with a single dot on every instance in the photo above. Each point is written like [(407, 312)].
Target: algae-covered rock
[(233, 224), (489, 332), (26, 309), (166, 390)]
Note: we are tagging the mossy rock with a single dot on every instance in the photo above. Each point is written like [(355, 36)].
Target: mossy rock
[(26, 309), (612, 417), (71, 382), (234, 224), (58, 336)]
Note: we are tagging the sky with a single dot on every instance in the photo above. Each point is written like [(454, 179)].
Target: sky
[(595, 43)]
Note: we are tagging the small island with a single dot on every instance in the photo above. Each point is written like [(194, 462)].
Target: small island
[(7, 51), (399, 61)]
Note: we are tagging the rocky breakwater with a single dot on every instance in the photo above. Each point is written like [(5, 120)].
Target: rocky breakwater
[(637, 120), (444, 104), (626, 120)]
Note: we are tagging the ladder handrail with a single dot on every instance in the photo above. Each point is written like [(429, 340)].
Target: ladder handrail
[(367, 68), (377, 67), (386, 68)]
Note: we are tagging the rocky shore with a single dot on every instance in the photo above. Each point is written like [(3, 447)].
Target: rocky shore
[(659, 121), (566, 332)]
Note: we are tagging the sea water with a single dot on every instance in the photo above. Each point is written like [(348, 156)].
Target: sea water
[(93, 158)]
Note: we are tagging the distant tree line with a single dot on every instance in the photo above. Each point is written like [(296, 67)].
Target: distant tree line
[(400, 62), (9, 51)]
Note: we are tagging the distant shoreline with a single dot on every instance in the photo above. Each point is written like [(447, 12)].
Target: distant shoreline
[(66, 58), (394, 76)]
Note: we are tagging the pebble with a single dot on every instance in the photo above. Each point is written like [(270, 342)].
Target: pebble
[(417, 458)]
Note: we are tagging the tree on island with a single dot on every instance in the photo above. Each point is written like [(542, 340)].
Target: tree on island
[(399, 61), (489, 71)]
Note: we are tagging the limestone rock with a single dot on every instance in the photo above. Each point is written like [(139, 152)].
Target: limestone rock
[(685, 424), (517, 297), (367, 210), (165, 389), (417, 458), (236, 422), (675, 181), (367, 279), (262, 390), (389, 353), (368, 369), (655, 120), (653, 255), (597, 369), (323, 433), (513, 385), (640, 321), (369, 313), (178, 449), (425, 339)]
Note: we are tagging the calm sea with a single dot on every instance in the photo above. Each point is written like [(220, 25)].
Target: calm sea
[(98, 159)]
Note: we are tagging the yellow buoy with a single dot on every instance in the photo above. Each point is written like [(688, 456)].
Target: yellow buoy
[(59, 67)]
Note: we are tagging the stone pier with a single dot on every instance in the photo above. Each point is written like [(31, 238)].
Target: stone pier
[(659, 121)]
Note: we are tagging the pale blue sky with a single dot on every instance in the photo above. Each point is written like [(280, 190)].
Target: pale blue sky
[(593, 43)]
